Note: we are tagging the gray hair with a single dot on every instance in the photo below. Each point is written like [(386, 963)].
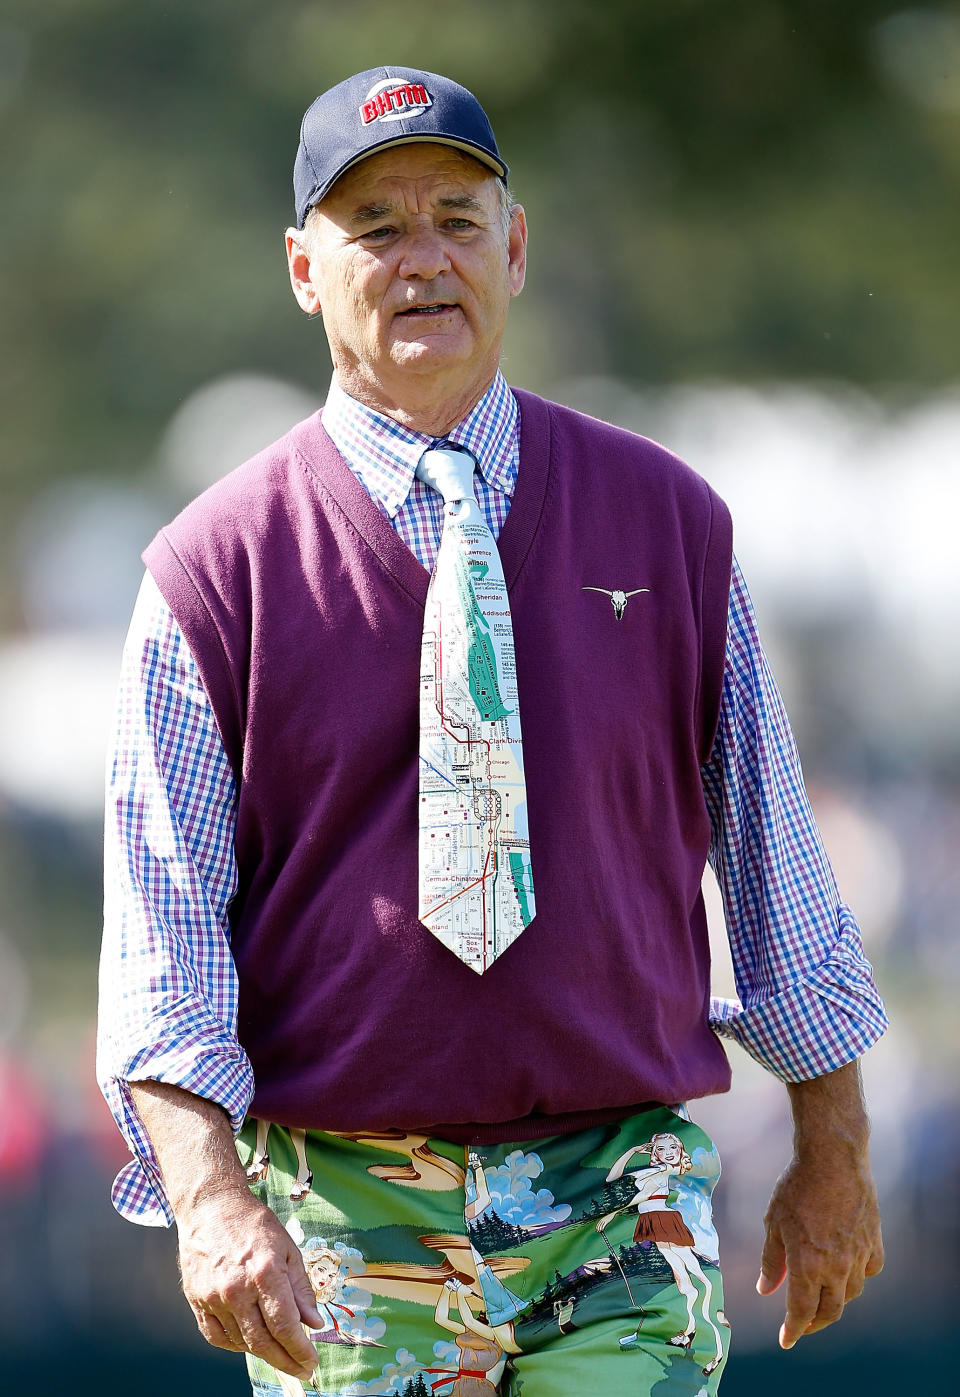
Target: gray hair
[(507, 201)]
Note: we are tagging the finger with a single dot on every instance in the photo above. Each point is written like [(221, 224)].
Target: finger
[(258, 1339), (773, 1263), (803, 1300), (303, 1295), (282, 1318), (855, 1283), (222, 1315), (875, 1264), (829, 1310), (215, 1333)]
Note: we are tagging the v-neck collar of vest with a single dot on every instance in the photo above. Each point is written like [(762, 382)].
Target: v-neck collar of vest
[(516, 537)]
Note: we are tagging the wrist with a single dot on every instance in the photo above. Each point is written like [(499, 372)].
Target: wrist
[(193, 1142), (829, 1113), (211, 1190), (839, 1144)]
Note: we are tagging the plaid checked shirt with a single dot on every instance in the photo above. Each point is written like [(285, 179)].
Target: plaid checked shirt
[(807, 1002)]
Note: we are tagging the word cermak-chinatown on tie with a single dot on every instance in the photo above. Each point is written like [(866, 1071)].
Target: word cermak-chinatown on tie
[(476, 883)]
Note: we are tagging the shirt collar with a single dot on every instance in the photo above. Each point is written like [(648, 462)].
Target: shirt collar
[(385, 454)]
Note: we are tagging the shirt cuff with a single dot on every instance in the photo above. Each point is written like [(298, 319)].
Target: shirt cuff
[(813, 1025), (218, 1071)]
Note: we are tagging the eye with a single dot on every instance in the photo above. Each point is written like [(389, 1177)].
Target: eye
[(378, 235), (459, 225)]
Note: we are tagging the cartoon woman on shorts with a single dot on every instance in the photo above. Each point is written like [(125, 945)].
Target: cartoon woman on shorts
[(659, 1223)]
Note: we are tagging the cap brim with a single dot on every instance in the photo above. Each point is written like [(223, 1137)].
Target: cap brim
[(468, 148)]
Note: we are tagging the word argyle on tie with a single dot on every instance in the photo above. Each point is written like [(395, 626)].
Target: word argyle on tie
[(476, 884)]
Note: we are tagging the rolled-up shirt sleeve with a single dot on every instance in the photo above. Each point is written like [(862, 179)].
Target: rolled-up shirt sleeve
[(168, 986), (807, 1002)]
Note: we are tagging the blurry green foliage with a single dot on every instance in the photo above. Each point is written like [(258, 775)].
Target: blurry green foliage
[(734, 190)]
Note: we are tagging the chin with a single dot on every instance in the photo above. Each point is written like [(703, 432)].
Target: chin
[(428, 353)]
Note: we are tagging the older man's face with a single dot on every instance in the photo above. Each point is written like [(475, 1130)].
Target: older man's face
[(413, 272)]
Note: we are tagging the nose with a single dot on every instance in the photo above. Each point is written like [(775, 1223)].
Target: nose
[(423, 255)]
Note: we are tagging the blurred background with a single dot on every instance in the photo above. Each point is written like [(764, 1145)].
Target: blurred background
[(744, 232)]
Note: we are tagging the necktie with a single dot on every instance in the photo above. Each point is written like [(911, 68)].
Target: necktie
[(476, 886)]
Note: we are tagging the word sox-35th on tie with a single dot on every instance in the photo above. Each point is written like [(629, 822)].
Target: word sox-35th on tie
[(476, 884)]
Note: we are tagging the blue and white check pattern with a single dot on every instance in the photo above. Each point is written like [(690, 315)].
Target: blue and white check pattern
[(385, 456), (808, 1003), (807, 1000)]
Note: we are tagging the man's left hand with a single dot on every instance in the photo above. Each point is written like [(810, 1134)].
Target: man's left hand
[(823, 1222)]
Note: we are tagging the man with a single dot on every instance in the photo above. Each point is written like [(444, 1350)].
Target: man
[(307, 719)]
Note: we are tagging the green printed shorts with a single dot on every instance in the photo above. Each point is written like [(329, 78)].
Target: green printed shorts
[(550, 1268)]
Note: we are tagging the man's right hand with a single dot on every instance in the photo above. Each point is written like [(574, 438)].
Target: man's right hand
[(242, 1274), (243, 1277)]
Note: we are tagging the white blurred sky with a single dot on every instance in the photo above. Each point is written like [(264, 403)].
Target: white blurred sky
[(845, 511)]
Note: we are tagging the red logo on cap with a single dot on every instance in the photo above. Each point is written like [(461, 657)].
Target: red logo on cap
[(391, 100)]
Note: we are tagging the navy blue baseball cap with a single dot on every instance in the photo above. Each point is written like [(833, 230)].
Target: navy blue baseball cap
[(385, 107)]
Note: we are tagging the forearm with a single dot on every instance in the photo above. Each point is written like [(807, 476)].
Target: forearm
[(193, 1142), (823, 1224), (242, 1274), (808, 1004), (168, 1000), (829, 1114)]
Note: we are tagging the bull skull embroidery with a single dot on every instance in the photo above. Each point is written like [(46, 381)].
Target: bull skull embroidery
[(618, 598)]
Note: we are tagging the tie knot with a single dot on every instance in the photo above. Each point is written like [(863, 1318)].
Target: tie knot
[(449, 471)]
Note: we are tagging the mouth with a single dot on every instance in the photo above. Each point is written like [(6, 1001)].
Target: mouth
[(426, 311)]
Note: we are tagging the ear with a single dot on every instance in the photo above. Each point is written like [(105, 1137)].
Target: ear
[(301, 280), (517, 249)]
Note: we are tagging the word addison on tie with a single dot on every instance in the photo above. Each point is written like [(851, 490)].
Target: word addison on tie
[(476, 885)]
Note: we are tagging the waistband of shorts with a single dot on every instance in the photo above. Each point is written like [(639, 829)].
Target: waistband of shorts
[(534, 1127)]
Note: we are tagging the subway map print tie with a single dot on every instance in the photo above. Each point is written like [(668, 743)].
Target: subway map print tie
[(476, 884)]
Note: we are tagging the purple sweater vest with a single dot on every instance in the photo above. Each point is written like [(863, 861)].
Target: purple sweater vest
[(303, 611)]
